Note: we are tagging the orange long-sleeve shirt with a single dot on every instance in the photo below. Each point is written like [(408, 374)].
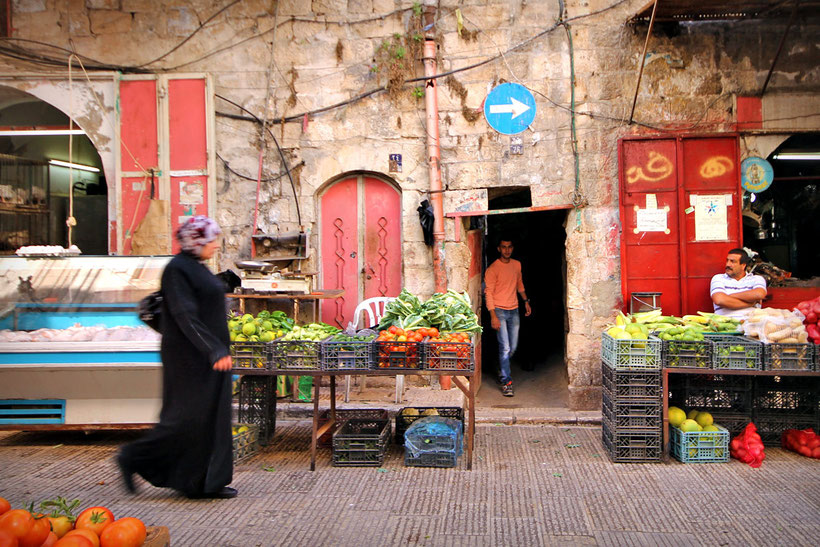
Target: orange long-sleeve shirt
[(502, 283)]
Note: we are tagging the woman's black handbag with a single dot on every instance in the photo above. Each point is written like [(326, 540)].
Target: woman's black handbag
[(150, 310)]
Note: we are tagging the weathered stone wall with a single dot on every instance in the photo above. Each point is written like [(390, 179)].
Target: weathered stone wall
[(323, 54)]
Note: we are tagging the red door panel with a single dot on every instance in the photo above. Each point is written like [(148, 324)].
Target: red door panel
[(382, 239), (138, 153), (649, 166), (339, 239)]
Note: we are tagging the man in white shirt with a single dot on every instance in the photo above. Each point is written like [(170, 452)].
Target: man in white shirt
[(736, 292)]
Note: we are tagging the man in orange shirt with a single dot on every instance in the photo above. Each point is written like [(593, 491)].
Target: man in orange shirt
[(503, 284)]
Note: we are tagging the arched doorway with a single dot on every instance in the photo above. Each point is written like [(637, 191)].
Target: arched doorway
[(360, 242), (38, 191)]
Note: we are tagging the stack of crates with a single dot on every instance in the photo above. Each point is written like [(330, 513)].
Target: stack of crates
[(257, 404), (631, 399), (361, 442)]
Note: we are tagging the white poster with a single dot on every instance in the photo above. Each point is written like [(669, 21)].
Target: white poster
[(711, 223), (650, 220)]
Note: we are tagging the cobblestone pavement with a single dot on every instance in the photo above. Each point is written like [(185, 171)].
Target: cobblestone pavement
[(530, 485)]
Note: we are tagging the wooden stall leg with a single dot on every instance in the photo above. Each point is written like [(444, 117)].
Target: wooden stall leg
[(332, 398), (314, 436), (665, 415)]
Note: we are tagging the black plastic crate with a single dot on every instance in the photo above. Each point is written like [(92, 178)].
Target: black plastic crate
[(633, 385), (398, 355), (431, 459), (770, 426), (361, 443), (638, 417), (712, 393), (257, 404), (778, 356), (736, 352), (343, 414), (691, 354), (251, 355), (404, 420), (294, 355), (631, 447), (734, 423), (448, 356), (245, 441), (791, 395), (631, 354), (347, 355)]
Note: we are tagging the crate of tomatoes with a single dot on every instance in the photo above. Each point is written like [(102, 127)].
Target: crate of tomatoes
[(400, 349), (449, 351)]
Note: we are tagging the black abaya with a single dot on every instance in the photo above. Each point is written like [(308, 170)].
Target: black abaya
[(190, 449)]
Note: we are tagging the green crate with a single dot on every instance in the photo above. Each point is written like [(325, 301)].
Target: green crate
[(251, 355), (736, 352), (690, 354), (700, 446), (632, 354)]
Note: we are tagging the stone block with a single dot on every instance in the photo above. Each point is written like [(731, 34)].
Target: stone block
[(359, 7), (289, 8), (103, 4), (109, 22), (181, 21), (465, 200), (584, 398), (139, 6), (28, 6)]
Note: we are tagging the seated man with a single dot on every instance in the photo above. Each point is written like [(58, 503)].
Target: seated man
[(736, 292)]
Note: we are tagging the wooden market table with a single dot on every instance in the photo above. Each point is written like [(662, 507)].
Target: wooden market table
[(468, 388), (713, 372), (313, 297)]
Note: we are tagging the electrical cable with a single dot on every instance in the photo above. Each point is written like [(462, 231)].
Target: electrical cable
[(253, 179)]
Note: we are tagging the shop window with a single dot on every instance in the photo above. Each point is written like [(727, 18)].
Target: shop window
[(781, 223)]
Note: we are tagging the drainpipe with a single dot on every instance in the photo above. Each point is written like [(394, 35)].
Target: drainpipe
[(434, 156)]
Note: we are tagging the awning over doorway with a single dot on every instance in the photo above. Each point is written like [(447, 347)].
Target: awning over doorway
[(721, 10)]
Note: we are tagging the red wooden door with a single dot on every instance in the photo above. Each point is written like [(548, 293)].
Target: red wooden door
[(360, 244)]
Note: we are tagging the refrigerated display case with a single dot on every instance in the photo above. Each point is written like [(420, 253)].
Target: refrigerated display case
[(73, 352)]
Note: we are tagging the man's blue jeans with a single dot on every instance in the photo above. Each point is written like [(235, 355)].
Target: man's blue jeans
[(507, 335)]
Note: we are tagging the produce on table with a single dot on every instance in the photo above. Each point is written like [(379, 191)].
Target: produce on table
[(313, 332), (352, 338), (265, 327), (5, 506), (772, 325), (450, 311), (805, 442), (811, 309), (124, 532), (748, 447), (399, 348)]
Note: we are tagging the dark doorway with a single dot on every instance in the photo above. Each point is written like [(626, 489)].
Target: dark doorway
[(538, 369)]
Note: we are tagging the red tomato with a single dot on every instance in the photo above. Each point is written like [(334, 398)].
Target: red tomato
[(50, 540), (74, 541), (433, 331), (125, 532), (86, 533), (17, 522), (60, 525), (393, 329), (7, 540), (94, 519), (37, 534), (4, 505)]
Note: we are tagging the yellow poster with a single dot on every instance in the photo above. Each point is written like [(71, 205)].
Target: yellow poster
[(711, 223)]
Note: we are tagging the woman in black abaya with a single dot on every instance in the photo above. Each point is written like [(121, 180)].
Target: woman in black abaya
[(190, 449)]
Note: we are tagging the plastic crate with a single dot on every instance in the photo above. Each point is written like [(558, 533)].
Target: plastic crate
[(633, 385), (770, 426), (246, 443), (631, 354), (251, 355), (292, 355), (257, 404), (700, 446), (787, 395), (734, 423), (448, 356), (347, 355), (398, 355), (631, 415), (777, 356), (431, 459), (692, 354), (631, 447), (361, 443), (736, 352), (404, 420), (712, 393), (343, 414)]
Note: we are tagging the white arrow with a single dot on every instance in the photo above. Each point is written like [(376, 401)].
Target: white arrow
[(516, 107)]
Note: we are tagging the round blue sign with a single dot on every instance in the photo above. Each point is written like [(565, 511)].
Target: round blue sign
[(756, 174), (509, 108)]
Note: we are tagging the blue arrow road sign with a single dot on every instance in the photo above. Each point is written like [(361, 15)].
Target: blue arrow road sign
[(509, 108)]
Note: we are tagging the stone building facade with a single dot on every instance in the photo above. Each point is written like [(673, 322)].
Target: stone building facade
[(309, 67)]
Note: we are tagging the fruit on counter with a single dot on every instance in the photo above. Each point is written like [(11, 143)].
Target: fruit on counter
[(702, 322), (811, 310), (265, 327), (805, 442), (690, 425), (748, 447), (704, 420), (312, 332), (238, 430), (676, 416), (399, 348), (5, 506), (124, 532)]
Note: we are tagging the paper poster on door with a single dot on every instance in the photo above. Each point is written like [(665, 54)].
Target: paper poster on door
[(711, 222), (191, 192)]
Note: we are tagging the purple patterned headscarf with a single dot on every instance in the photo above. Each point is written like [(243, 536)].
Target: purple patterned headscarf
[(196, 232)]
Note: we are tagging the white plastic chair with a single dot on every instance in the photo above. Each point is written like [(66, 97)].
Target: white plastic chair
[(370, 312)]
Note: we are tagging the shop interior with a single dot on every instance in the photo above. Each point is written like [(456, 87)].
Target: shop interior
[(780, 223), (35, 189), (539, 371)]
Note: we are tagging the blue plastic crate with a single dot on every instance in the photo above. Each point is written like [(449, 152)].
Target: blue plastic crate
[(700, 446), (631, 354)]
